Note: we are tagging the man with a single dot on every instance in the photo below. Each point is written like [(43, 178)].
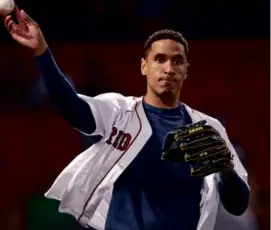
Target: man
[(121, 182)]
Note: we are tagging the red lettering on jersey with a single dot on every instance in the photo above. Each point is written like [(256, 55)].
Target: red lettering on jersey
[(121, 141), (116, 142), (113, 133), (125, 142)]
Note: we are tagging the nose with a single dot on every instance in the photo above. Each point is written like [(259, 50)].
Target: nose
[(169, 70)]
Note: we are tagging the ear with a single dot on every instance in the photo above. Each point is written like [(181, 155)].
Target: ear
[(143, 67)]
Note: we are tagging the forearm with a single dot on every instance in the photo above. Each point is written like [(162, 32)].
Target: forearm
[(234, 192), (63, 96)]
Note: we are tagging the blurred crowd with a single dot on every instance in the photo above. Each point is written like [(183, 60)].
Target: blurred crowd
[(131, 20), (128, 22)]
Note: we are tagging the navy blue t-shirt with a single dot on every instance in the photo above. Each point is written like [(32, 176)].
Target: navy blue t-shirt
[(154, 194)]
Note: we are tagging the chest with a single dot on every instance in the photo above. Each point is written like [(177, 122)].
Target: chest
[(149, 170)]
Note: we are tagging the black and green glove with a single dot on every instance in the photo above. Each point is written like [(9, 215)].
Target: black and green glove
[(199, 145)]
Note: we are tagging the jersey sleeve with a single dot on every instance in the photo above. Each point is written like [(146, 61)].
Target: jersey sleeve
[(105, 109)]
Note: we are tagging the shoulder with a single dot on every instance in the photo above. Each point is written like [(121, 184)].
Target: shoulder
[(105, 96), (111, 98), (198, 115), (211, 120)]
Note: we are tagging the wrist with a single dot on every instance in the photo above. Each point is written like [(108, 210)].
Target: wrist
[(40, 49)]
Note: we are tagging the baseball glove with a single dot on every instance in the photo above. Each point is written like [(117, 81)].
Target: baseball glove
[(199, 145)]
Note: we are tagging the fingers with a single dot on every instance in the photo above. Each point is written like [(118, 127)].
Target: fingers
[(13, 27), (7, 20), (199, 123), (26, 17), (22, 24), (10, 24), (18, 14)]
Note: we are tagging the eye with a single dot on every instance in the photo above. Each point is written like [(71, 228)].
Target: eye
[(160, 59), (178, 61)]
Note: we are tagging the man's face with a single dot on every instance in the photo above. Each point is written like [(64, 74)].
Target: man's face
[(165, 67)]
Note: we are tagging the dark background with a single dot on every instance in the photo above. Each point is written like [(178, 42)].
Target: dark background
[(98, 44)]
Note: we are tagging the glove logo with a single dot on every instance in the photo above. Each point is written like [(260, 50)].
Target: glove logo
[(195, 130), (203, 154)]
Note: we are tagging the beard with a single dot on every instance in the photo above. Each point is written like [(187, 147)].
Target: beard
[(166, 92), (165, 96), (167, 88)]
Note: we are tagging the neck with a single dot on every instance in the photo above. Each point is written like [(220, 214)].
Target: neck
[(165, 101)]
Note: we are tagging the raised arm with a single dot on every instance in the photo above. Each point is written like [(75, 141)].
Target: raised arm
[(74, 109)]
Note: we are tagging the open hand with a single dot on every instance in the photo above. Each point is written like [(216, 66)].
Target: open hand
[(26, 32)]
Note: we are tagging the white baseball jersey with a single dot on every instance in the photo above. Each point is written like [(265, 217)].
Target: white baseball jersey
[(84, 187)]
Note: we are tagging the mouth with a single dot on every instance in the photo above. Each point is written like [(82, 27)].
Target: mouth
[(167, 79), (167, 83)]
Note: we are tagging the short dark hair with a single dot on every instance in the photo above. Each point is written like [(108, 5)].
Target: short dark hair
[(165, 34)]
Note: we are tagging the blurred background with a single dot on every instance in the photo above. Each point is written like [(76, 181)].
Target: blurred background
[(98, 45)]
